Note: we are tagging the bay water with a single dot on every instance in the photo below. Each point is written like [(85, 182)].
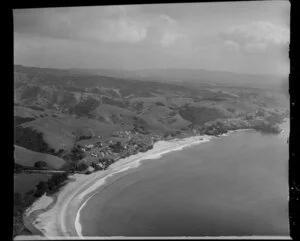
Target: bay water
[(234, 185)]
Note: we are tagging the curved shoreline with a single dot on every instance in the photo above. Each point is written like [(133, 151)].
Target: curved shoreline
[(62, 218), (204, 138), (137, 163)]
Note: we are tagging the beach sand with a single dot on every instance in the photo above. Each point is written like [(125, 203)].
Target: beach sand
[(63, 218)]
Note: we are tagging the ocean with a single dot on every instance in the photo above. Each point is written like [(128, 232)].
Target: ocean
[(234, 185)]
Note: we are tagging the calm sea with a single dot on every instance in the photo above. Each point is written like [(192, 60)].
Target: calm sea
[(233, 185)]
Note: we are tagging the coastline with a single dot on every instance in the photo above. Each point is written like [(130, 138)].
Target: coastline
[(181, 144), (62, 218)]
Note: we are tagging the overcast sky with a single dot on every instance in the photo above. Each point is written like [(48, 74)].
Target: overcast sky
[(245, 37)]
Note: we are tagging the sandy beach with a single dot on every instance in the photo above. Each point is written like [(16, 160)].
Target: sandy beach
[(63, 218)]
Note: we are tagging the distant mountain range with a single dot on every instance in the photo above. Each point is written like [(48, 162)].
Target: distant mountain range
[(181, 76)]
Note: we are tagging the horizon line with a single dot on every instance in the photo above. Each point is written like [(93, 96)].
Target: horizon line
[(134, 70)]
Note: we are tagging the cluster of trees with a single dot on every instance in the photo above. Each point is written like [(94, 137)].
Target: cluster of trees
[(18, 168), (32, 140), (74, 166), (51, 185), (96, 167), (232, 110), (30, 92), (171, 134), (84, 137), (199, 115), (81, 167), (41, 165), (116, 102), (274, 118), (138, 107), (159, 103), (140, 129), (146, 148), (265, 127), (36, 108), (117, 147), (75, 154), (22, 202), (85, 107), (106, 162), (20, 120), (215, 128)]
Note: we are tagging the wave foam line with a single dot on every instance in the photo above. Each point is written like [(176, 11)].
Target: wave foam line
[(180, 144)]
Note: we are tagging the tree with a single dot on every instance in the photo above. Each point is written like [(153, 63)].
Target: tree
[(18, 168), (60, 151), (95, 166), (81, 167), (159, 103), (116, 147), (41, 188), (41, 165)]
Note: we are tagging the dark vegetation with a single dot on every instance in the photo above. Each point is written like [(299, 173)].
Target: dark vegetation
[(75, 154), (214, 98), (274, 118), (32, 140), (22, 202), (159, 103), (232, 110), (199, 115), (84, 137), (116, 147), (81, 167), (110, 101), (36, 108), (138, 107), (85, 107), (19, 168), (41, 165), (30, 93), (265, 127), (20, 120)]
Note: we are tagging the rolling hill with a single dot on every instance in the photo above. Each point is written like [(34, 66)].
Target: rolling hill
[(55, 108), (28, 158)]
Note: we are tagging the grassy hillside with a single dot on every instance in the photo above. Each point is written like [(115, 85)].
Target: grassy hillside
[(24, 182), (62, 132), (28, 158), (56, 109)]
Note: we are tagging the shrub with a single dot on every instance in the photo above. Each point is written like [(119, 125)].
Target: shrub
[(159, 103), (41, 188), (41, 165), (81, 167), (231, 110)]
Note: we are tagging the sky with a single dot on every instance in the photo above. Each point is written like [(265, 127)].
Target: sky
[(245, 37)]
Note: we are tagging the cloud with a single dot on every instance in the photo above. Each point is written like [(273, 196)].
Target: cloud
[(144, 36), (110, 23), (117, 30), (232, 45), (113, 24), (168, 38), (256, 37)]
